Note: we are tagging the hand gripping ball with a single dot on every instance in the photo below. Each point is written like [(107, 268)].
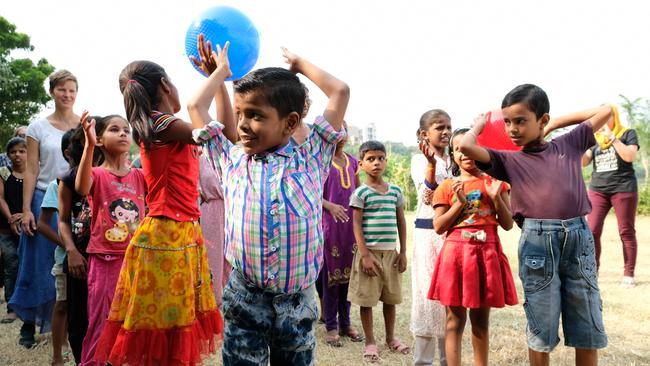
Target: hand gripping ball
[(494, 133), (220, 24)]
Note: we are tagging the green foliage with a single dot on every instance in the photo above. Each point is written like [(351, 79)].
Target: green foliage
[(586, 173), (644, 199), (637, 112), (398, 172), (22, 95), (398, 169)]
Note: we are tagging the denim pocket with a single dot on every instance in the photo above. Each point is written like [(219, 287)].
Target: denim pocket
[(587, 258), (535, 262), (533, 327)]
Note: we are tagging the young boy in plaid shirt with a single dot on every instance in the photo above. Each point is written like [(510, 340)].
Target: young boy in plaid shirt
[(273, 197)]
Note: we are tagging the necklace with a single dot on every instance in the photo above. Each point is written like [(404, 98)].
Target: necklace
[(344, 176)]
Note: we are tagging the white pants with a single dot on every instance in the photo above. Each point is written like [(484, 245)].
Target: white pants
[(425, 351)]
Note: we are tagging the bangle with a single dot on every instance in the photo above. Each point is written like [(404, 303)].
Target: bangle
[(472, 132), (430, 185)]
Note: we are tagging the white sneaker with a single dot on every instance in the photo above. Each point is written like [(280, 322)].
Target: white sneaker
[(628, 282)]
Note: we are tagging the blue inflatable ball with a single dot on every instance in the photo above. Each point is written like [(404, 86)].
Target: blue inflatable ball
[(224, 23)]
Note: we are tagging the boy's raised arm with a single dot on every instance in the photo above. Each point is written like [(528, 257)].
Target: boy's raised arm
[(598, 117), (336, 90), (468, 145)]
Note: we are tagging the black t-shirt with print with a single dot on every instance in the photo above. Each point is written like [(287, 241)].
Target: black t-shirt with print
[(80, 215), (612, 174)]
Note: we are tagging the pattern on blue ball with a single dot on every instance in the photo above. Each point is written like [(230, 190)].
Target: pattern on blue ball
[(220, 24)]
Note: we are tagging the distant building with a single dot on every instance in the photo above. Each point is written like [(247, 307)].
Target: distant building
[(369, 132), (355, 135)]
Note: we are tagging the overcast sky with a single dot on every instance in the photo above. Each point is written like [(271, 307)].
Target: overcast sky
[(400, 58)]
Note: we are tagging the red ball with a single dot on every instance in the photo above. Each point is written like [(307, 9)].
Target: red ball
[(494, 133)]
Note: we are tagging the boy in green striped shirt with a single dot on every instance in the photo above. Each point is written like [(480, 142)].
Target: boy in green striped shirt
[(379, 225)]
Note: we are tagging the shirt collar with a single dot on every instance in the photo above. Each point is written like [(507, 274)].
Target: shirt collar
[(286, 151)]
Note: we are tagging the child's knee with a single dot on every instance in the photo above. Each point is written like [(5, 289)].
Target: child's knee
[(480, 328), (455, 324)]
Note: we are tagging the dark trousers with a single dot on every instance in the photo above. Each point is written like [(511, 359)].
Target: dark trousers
[(336, 307), (77, 293), (625, 204), (9, 249)]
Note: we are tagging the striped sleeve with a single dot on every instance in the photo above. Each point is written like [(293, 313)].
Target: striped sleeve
[(215, 144), (355, 198), (321, 143), (160, 121), (400, 197)]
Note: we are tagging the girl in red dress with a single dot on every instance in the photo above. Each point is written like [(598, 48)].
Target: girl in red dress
[(471, 272), (164, 312)]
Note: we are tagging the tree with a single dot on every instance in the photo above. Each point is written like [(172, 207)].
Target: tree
[(398, 172), (638, 115), (22, 95)]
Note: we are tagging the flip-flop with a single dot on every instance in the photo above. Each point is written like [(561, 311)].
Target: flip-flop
[(8, 319), (397, 346), (371, 353), (333, 339), (352, 333)]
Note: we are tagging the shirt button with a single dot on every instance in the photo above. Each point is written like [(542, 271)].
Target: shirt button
[(272, 212), (178, 215), (274, 248), (271, 277)]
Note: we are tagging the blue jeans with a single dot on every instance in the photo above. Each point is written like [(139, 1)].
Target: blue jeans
[(557, 267), (259, 324)]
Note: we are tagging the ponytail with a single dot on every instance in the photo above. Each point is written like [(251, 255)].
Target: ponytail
[(139, 82)]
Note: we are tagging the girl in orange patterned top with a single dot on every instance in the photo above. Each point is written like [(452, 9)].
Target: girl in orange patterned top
[(164, 311), (471, 270)]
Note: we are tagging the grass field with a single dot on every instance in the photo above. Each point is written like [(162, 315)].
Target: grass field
[(626, 314)]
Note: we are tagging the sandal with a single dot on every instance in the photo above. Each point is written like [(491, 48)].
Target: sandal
[(397, 346), (27, 341), (352, 333), (9, 318), (332, 339), (371, 353)]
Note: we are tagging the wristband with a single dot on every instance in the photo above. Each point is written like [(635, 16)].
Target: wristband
[(430, 186)]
